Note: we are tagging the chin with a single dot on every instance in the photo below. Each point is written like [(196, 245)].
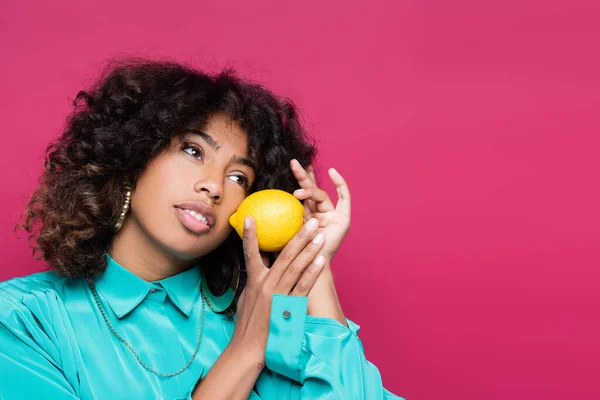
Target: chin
[(187, 253), (190, 246)]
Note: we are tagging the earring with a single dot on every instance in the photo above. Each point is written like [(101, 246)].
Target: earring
[(119, 223)]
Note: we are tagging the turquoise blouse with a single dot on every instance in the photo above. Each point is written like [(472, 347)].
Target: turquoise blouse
[(55, 344)]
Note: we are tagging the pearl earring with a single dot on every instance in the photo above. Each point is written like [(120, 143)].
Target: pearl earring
[(119, 223)]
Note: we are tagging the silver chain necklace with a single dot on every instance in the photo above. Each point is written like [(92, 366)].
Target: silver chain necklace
[(139, 360)]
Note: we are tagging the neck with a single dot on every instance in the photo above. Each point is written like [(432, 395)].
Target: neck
[(136, 251)]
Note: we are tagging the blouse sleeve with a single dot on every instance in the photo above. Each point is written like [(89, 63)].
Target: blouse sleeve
[(29, 360), (310, 357)]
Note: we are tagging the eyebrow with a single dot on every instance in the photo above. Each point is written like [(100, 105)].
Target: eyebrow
[(216, 147)]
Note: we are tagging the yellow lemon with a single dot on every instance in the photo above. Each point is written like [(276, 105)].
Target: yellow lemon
[(278, 216)]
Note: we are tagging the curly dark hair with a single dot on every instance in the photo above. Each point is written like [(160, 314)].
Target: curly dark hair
[(127, 118)]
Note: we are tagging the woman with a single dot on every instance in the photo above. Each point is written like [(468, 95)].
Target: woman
[(152, 295)]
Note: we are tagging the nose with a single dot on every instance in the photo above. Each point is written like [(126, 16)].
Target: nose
[(210, 187)]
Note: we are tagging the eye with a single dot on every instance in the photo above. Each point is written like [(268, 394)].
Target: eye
[(193, 150), (241, 179)]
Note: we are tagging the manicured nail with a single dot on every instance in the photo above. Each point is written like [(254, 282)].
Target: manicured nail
[(312, 223), (247, 222), (320, 260), (318, 239)]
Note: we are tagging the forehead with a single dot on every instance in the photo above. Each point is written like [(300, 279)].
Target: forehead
[(227, 132)]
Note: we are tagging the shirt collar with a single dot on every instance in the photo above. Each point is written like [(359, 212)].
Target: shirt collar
[(124, 291), (184, 288)]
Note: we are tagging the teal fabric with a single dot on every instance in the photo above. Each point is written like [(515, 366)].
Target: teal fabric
[(54, 343)]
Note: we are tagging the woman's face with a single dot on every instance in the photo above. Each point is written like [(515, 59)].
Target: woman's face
[(183, 200)]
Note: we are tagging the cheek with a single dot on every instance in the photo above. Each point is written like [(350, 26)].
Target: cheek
[(233, 199), (156, 175), (151, 209), (155, 193)]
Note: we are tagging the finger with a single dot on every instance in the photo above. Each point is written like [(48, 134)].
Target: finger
[(311, 173), (326, 218), (302, 194), (309, 277), (305, 180), (319, 196), (343, 192), (254, 265), (309, 209), (291, 250), (294, 272)]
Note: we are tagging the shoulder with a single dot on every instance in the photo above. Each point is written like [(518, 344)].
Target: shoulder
[(31, 286), (33, 319), (31, 299)]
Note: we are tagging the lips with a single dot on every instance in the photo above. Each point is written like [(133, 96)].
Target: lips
[(196, 216)]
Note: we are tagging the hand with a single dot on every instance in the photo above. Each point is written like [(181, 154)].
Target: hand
[(334, 222), (293, 273)]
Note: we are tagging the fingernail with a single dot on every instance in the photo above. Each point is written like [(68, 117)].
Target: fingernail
[(247, 222), (300, 190), (318, 239), (312, 223), (320, 260)]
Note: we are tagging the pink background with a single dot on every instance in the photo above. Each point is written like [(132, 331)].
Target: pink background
[(467, 129)]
